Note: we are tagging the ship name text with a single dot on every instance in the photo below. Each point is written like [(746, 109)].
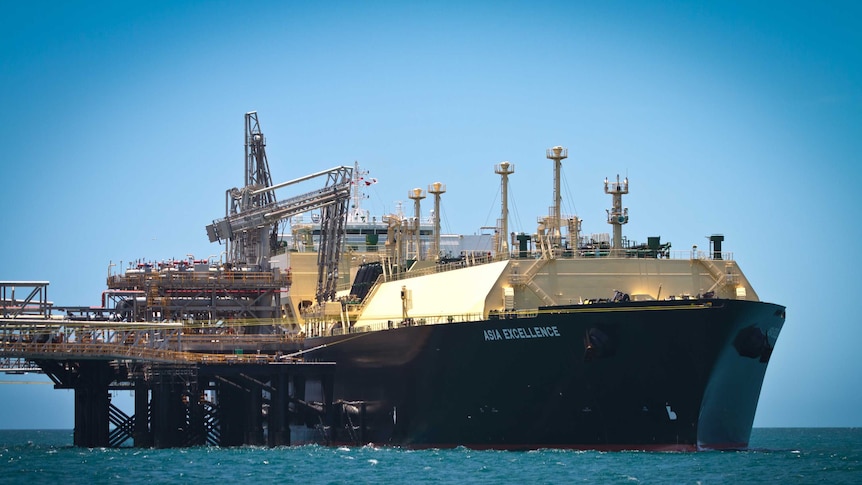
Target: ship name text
[(521, 332)]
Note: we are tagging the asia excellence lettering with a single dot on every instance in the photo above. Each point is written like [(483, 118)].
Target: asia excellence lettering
[(521, 332)]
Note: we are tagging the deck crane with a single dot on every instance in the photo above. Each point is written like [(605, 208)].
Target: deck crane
[(252, 214)]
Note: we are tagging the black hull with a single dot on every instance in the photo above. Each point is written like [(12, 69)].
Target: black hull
[(669, 375)]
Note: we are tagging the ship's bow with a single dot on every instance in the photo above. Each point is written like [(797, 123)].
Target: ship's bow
[(731, 396)]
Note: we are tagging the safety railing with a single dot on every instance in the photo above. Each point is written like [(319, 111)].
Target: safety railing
[(629, 253), (156, 342), (467, 262), (81, 351), (196, 279), (386, 324)]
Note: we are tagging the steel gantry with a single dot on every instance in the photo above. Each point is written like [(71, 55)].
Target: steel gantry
[(250, 226)]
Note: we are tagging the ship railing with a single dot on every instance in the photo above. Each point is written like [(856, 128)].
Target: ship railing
[(393, 323), (466, 262), (694, 253), (414, 321), (370, 251), (590, 253)]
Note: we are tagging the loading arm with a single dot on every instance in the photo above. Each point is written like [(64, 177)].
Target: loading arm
[(337, 188), (331, 199)]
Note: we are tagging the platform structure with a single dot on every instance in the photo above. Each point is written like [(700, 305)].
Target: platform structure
[(34, 303), (203, 293), (195, 382)]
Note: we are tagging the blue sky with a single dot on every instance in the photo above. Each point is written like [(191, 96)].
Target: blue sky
[(122, 126)]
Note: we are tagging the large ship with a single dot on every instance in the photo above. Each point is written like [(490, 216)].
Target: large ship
[(509, 340)]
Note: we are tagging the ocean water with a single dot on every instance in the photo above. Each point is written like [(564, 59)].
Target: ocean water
[(777, 455)]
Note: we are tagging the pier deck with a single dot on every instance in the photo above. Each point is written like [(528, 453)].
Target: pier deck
[(194, 384)]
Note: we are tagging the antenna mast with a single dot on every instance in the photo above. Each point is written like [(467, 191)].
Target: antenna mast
[(617, 216)]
